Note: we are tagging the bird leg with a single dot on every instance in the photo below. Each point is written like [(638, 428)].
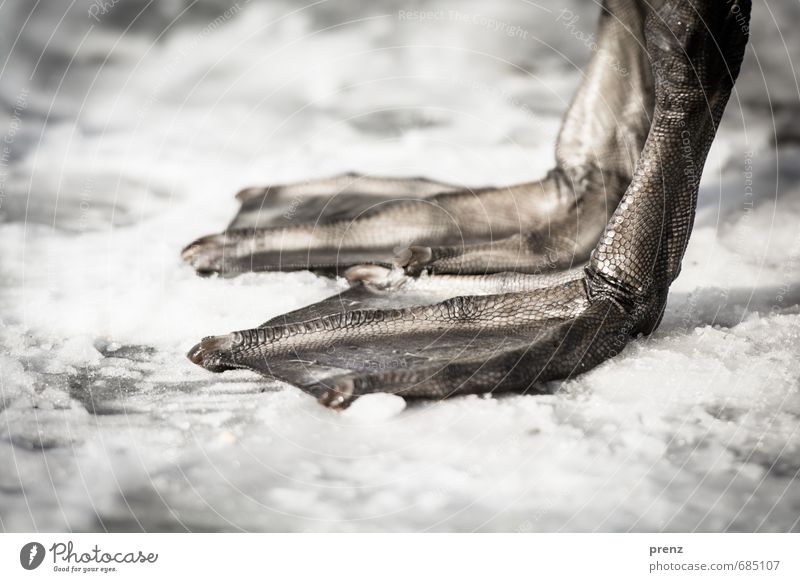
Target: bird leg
[(516, 341), (332, 224)]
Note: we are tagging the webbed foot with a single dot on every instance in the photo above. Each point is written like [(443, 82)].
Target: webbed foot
[(340, 349)]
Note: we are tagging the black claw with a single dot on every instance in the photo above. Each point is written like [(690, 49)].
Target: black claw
[(340, 396), (413, 259), (212, 353)]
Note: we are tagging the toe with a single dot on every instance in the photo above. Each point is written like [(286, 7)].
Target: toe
[(212, 353), (340, 396), (414, 258), (372, 274), (250, 193), (375, 276), (202, 244), (206, 253)]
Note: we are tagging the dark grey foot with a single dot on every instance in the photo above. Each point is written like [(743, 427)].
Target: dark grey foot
[(462, 345)]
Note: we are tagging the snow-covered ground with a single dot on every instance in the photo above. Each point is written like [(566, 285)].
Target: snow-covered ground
[(128, 126)]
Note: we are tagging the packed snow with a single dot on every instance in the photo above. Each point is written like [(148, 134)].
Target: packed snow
[(127, 128)]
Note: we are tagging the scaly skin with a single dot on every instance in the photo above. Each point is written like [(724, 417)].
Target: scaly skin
[(515, 341)]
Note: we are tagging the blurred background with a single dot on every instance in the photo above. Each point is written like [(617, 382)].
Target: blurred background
[(126, 128)]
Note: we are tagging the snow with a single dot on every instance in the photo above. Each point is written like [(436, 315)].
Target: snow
[(125, 145)]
